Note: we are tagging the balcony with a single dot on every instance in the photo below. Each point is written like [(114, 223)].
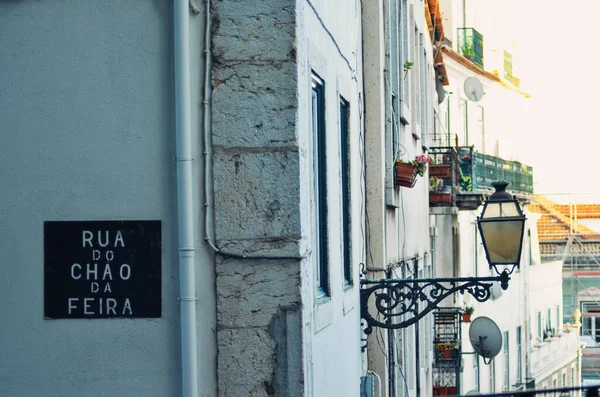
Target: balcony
[(466, 175), (554, 350), (470, 45)]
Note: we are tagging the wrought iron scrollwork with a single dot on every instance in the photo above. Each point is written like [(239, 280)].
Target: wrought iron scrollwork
[(400, 303)]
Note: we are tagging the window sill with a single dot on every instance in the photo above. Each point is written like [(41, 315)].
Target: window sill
[(323, 312), (349, 298), (405, 114)]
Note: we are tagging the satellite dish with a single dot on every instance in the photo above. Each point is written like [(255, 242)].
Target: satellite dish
[(473, 89), (485, 337), (441, 92)]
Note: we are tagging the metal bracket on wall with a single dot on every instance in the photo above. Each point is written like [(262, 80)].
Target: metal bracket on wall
[(400, 303)]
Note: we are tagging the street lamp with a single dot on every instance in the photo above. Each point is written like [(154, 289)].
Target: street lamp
[(502, 225), (400, 303)]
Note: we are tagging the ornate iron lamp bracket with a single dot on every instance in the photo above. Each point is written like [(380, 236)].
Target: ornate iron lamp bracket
[(400, 303)]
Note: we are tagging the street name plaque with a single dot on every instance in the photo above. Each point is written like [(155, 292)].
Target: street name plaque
[(102, 269)]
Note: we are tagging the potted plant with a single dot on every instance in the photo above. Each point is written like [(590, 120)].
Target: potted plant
[(446, 349), (405, 173), (444, 391), (439, 194), (467, 50), (467, 313), (407, 66), (442, 170), (435, 183)]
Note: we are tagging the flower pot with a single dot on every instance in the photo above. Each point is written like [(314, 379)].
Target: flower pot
[(405, 174), (440, 171), (466, 317), (447, 353), (443, 391), (436, 198)]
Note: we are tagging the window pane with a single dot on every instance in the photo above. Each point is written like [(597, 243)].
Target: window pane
[(320, 196), (345, 191)]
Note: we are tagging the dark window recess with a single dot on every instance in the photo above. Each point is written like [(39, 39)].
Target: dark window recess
[(320, 172), (345, 171)]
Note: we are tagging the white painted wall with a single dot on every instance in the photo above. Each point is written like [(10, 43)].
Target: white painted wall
[(88, 133), (329, 37), (535, 288)]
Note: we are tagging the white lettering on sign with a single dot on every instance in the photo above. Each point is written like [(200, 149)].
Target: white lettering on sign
[(101, 270), (127, 307), (87, 305), (107, 273), (125, 269), (103, 239), (91, 272), (108, 255), (72, 304), (73, 267), (108, 306)]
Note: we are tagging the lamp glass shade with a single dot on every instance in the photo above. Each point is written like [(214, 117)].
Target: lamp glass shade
[(502, 240), (501, 209)]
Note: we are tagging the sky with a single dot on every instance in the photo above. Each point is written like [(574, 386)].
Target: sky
[(557, 60)]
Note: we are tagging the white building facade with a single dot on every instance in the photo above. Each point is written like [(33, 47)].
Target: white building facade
[(538, 350), (193, 192), (400, 99)]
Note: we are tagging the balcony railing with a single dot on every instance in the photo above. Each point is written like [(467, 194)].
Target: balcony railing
[(470, 45), (469, 171), (574, 391)]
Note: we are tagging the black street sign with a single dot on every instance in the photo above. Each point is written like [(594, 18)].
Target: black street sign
[(102, 269)]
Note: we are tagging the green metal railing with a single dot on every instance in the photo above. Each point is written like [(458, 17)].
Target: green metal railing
[(470, 45), (475, 172)]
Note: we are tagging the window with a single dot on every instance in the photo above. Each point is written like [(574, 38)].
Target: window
[(320, 188), (573, 376), (345, 188), (530, 247), (519, 363), (590, 319), (405, 47), (539, 325), (426, 97), (482, 128), (506, 363), (395, 73), (465, 105), (414, 78)]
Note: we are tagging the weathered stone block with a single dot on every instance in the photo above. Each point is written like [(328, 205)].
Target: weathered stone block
[(257, 200), (251, 294), (255, 105), (246, 363), (253, 30)]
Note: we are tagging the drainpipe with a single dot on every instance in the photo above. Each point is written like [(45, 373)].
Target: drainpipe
[(187, 276)]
